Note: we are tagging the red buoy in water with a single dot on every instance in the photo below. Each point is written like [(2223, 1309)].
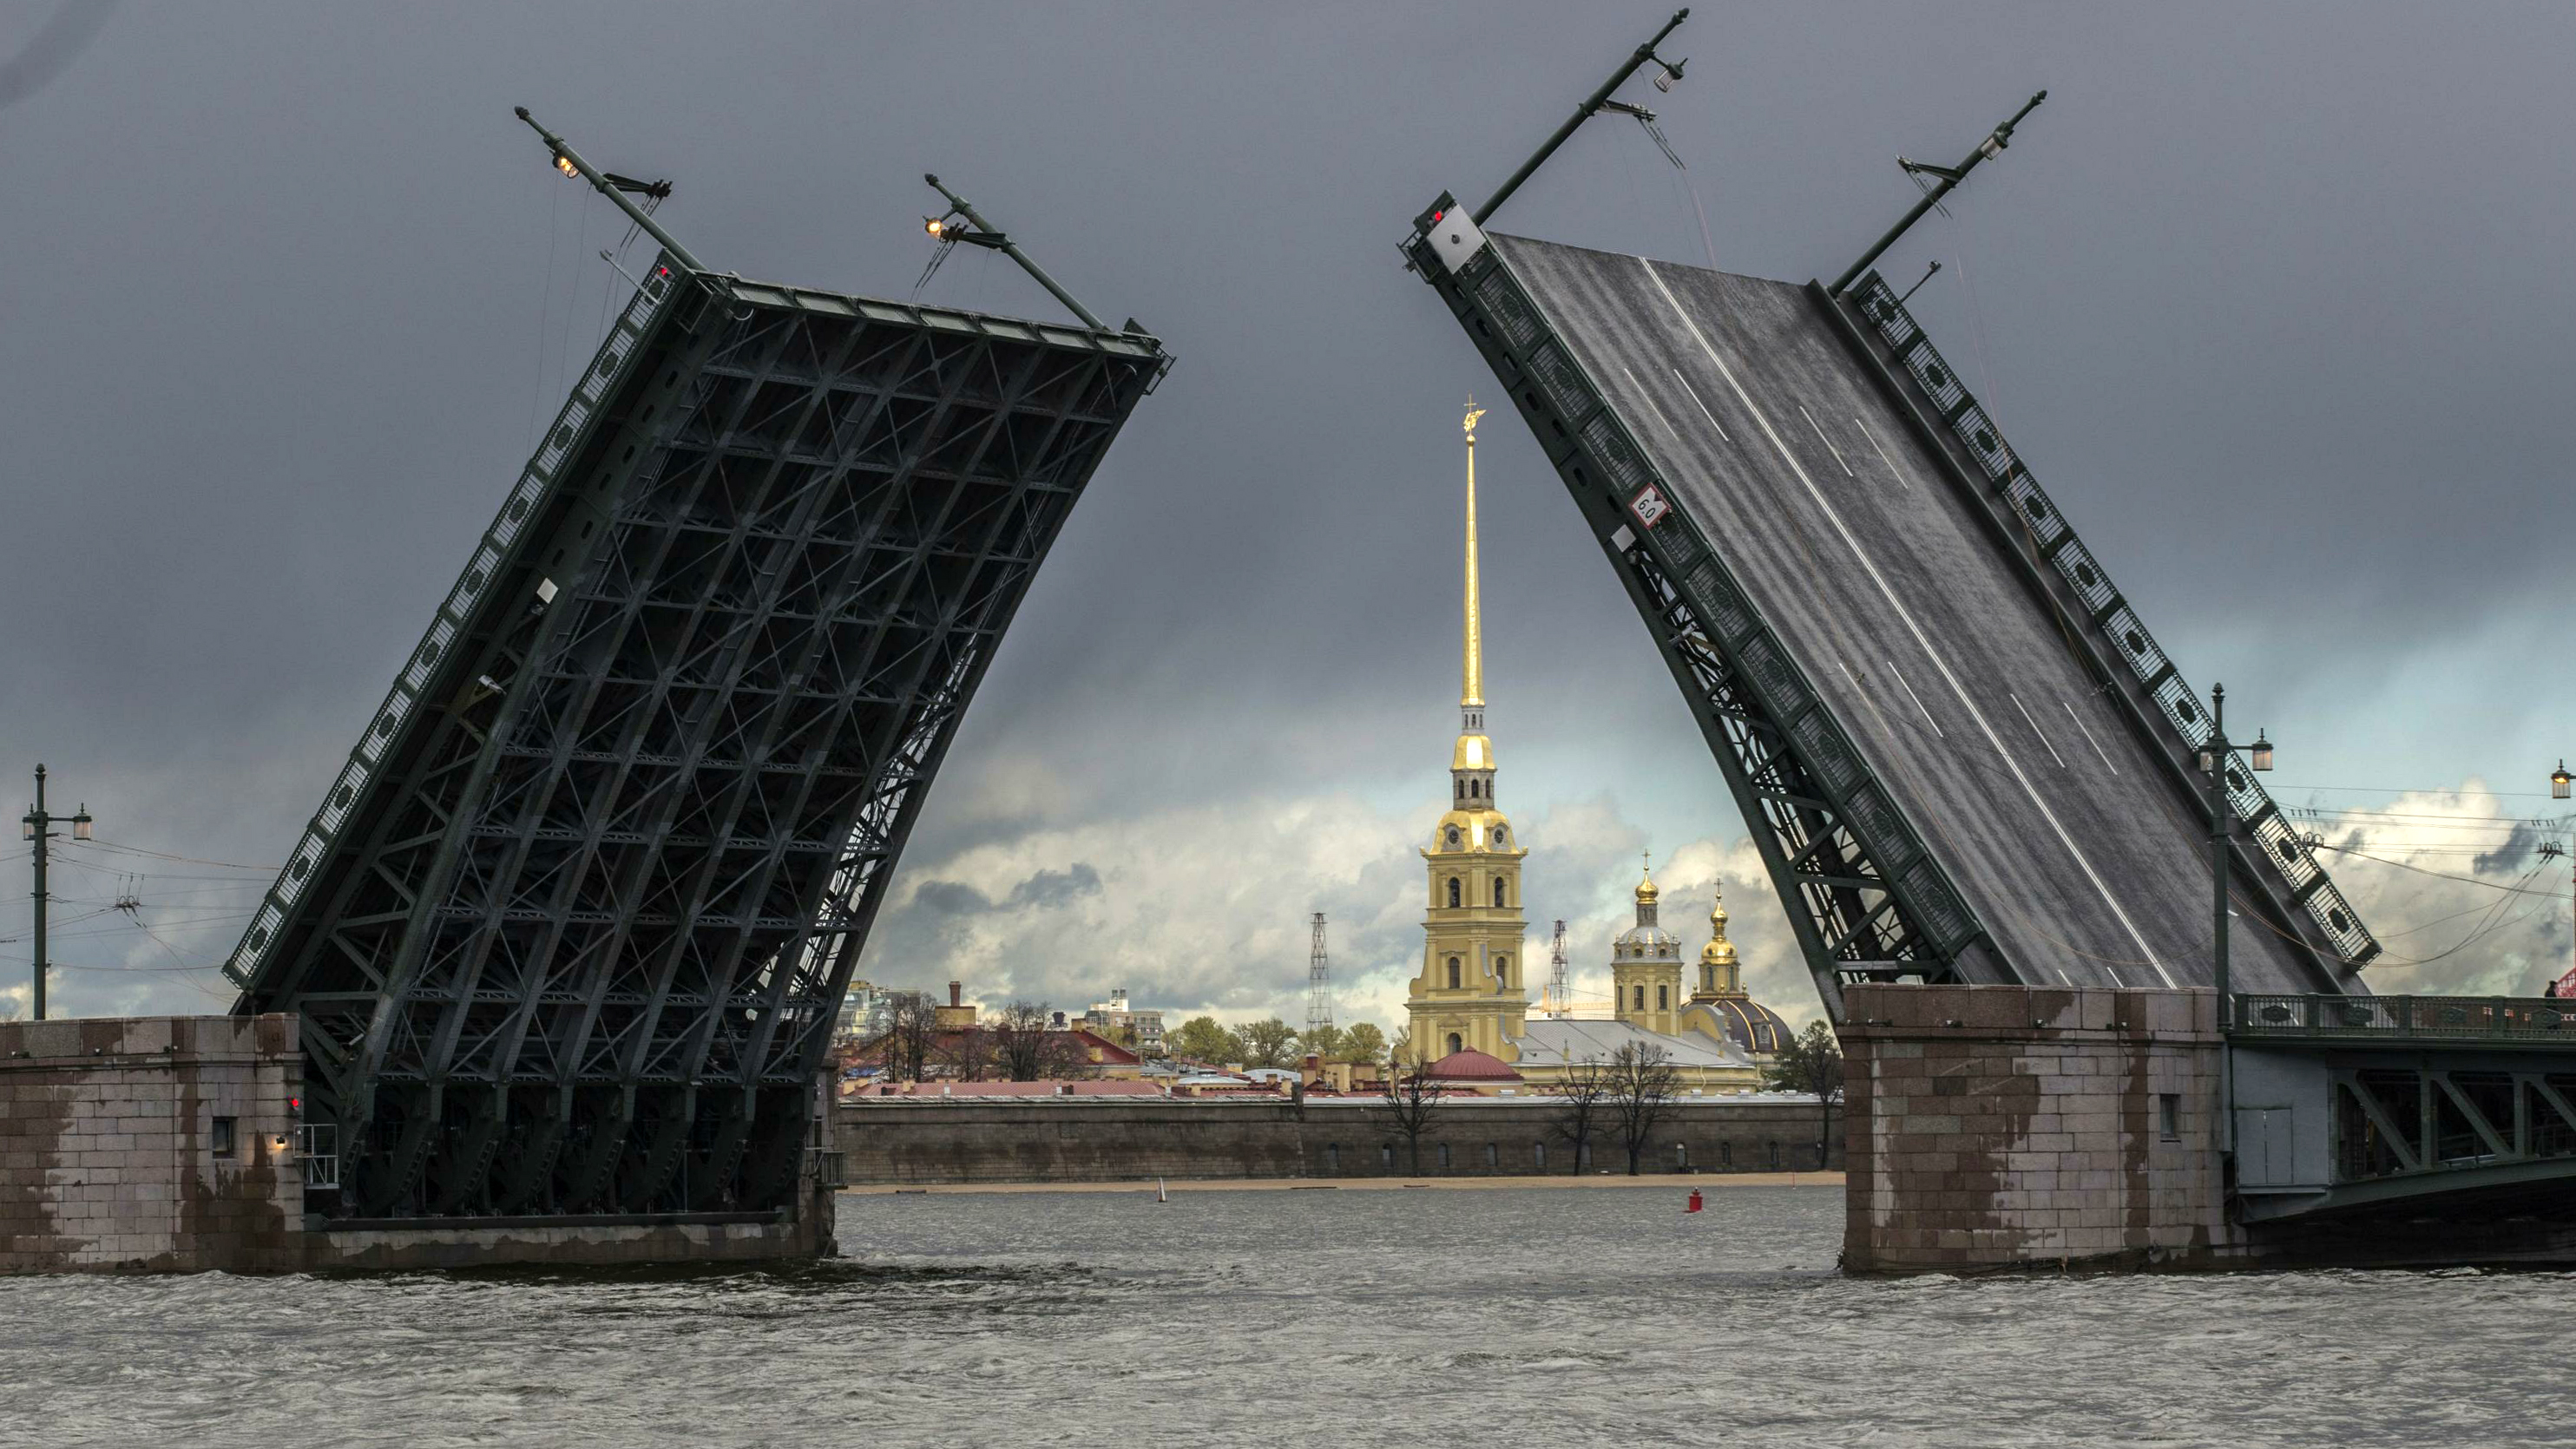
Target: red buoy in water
[(1694, 1202)]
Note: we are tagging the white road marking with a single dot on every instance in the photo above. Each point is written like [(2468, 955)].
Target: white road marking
[(1675, 433), (1918, 701), (1921, 640), (2088, 738), (1882, 455), (2034, 727), (1828, 442), (1703, 407)]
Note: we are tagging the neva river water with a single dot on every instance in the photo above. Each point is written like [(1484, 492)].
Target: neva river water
[(1594, 1316)]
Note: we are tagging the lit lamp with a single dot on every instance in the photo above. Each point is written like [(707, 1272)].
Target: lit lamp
[(2259, 753), (2559, 780)]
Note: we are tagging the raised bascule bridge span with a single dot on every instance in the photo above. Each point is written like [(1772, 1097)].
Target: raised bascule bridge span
[(1963, 754), (570, 931), (1968, 763)]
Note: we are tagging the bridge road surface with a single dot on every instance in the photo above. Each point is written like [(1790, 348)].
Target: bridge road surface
[(2084, 859)]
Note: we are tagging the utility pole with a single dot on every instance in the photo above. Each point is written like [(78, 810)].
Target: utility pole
[(39, 828), (1319, 983), (1559, 993)]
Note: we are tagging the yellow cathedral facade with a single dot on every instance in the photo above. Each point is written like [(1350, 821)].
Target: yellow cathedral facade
[(1470, 1001)]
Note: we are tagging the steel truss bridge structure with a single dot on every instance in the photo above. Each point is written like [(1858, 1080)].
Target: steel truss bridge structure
[(571, 928), (1961, 752)]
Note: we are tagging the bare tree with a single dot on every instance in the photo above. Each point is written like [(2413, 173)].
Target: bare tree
[(1582, 1101), (967, 1053), (1409, 1098), (1023, 1046), (1812, 1061), (911, 1025), (1642, 1081)]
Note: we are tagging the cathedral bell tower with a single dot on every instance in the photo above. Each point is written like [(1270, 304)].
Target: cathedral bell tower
[(1646, 968), (1470, 995)]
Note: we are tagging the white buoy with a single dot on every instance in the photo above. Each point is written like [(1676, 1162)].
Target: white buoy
[(1159, 1194)]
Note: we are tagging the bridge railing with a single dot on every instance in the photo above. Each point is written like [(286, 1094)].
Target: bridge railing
[(2404, 1018), (2048, 535)]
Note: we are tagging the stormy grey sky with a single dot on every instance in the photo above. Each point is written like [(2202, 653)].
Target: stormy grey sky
[(2274, 299)]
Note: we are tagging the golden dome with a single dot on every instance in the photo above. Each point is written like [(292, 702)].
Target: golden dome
[(1719, 951), (1647, 895)]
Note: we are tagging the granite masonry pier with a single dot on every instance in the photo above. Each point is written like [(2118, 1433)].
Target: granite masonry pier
[(173, 1145), (2000, 1126), (150, 1144), (928, 1140)]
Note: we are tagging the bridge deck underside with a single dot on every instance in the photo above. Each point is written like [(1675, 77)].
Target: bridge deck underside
[(578, 944), (2076, 846)]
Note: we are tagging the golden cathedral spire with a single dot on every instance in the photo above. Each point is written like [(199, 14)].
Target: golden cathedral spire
[(1471, 695)]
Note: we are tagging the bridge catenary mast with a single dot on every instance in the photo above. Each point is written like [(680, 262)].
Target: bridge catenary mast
[(569, 930), (1959, 750)]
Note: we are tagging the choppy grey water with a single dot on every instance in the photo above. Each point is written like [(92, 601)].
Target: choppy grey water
[(1542, 1317)]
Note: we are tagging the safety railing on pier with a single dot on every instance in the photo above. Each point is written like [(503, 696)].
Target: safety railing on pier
[(2046, 530), (318, 1151)]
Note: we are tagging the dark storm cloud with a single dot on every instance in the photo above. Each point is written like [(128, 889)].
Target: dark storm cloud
[(2517, 848), (2271, 297), (1046, 889), (53, 47)]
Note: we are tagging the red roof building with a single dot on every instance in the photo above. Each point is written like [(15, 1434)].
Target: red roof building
[(1473, 1071)]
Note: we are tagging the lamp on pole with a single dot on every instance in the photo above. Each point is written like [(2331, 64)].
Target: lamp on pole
[(38, 826), (2218, 762), (2559, 781)]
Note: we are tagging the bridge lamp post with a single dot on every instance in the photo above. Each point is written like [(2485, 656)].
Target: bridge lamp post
[(2218, 762), (37, 826), (2216, 756), (2559, 780)]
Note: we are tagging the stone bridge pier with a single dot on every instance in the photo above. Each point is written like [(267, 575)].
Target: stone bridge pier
[(1995, 1127)]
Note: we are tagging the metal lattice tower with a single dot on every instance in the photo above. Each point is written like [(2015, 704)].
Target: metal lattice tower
[(571, 929), (1319, 983), (1560, 992)]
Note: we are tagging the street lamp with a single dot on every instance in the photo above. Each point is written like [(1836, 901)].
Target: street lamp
[(37, 825), (2217, 761), (2559, 780)]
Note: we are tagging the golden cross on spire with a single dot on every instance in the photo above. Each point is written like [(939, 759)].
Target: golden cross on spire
[(1473, 412)]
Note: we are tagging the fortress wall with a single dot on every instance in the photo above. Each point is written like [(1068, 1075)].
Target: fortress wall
[(1079, 1139)]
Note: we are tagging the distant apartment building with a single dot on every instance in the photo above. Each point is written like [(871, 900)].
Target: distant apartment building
[(863, 1011), (1118, 1021)]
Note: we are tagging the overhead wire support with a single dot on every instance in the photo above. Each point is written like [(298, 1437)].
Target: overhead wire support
[(615, 188), (1592, 106), (1949, 176), (985, 234), (1319, 983)]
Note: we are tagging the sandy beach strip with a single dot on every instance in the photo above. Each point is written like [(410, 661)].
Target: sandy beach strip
[(1670, 1182)]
